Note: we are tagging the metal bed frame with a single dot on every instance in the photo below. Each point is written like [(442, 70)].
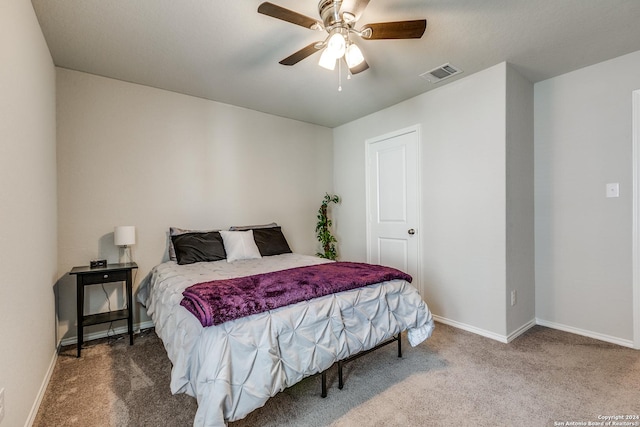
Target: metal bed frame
[(340, 363)]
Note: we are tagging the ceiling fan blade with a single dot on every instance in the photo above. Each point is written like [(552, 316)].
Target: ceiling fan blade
[(395, 30), (280, 12), (300, 55), (359, 68)]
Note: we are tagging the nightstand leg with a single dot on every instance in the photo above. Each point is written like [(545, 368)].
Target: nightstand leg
[(130, 303), (80, 312)]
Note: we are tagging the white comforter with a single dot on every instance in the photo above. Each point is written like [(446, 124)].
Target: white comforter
[(233, 368)]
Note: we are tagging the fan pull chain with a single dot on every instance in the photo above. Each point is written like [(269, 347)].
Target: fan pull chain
[(339, 75)]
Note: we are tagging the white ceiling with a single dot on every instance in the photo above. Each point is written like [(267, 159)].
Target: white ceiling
[(225, 51)]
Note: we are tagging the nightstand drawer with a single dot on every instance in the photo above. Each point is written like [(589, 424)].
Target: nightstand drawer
[(104, 277)]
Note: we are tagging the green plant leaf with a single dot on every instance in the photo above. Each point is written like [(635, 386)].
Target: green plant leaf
[(323, 232)]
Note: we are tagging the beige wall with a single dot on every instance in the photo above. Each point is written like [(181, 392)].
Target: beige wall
[(134, 155), (520, 225), (583, 138), (27, 210), (583, 241), (463, 230)]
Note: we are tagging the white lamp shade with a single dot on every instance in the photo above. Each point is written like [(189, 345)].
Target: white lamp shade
[(327, 60), (124, 235), (336, 45), (353, 56)]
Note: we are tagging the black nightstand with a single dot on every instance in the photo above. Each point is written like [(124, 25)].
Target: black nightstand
[(91, 276)]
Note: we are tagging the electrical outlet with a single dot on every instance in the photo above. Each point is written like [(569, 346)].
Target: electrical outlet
[(1, 404), (514, 297)]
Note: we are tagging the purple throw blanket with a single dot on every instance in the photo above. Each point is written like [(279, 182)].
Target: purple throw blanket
[(219, 301)]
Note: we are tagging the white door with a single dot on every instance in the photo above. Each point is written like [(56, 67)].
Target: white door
[(393, 201)]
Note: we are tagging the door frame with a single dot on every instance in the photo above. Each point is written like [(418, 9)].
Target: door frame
[(636, 216), (368, 144)]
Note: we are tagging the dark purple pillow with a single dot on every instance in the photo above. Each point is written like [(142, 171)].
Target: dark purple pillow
[(271, 241), (198, 247)]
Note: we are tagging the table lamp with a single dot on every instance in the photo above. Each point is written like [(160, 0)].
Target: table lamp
[(124, 236)]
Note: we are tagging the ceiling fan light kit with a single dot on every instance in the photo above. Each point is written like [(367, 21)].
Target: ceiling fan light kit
[(327, 60), (353, 56), (337, 44), (341, 25)]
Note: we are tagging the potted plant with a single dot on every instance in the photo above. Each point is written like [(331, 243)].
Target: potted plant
[(323, 229)]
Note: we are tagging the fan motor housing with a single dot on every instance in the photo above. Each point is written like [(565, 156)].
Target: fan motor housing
[(330, 12)]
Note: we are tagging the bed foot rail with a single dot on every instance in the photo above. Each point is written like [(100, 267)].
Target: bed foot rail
[(362, 353)]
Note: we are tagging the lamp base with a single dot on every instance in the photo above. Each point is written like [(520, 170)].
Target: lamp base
[(125, 255)]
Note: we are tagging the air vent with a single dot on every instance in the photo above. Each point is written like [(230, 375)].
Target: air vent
[(440, 73)]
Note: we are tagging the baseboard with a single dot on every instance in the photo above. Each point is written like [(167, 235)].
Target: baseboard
[(502, 338), (529, 325), (521, 330), (473, 329), (585, 333), (43, 389), (137, 327)]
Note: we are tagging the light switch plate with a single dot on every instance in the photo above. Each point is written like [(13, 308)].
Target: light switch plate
[(613, 189)]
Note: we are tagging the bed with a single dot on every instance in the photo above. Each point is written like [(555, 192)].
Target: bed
[(233, 367)]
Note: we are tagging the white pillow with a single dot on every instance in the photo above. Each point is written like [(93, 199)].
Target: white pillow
[(239, 245)]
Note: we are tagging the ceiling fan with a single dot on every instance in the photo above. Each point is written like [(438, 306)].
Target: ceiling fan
[(340, 24)]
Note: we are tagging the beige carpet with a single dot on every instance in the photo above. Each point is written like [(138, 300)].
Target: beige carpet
[(455, 378)]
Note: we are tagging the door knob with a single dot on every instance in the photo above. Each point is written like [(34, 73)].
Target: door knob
[(411, 231)]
